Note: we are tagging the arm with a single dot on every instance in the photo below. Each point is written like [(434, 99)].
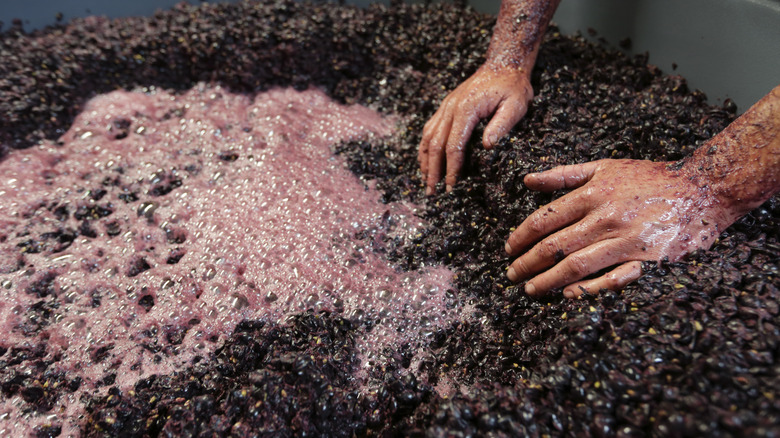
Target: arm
[(501, 87), (625, 211), (741, 165)]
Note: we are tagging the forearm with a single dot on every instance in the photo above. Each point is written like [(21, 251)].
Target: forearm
[(518, 33), (740, 167)]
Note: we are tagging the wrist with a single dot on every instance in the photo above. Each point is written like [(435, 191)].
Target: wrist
[(519, 72), (502, 56), (729, 189)]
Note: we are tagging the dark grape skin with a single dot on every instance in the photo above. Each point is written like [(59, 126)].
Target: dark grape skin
[(688, 349)]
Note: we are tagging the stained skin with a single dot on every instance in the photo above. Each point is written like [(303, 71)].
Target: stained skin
[(501, 87), (622, 212)]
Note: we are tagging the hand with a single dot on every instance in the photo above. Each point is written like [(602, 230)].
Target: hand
[(622, 212), (504, 91)]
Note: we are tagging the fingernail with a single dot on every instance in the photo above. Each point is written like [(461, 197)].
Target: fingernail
[(428, 191), (493, 139), (530, 289), (568, 293), (449, 188), (508, 248), (511, 274)]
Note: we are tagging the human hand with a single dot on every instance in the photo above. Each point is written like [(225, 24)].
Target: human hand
[(621, 213), (504, 92)]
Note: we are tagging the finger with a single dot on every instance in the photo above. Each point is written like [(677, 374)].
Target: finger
[(547, 219), (562, 177), (577, 266), (506, 117), (615, 280), (456, 144), (436, 152), (554, 248), (422, 155)]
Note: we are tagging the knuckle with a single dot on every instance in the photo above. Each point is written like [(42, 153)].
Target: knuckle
[(612, 212), (551, 248), (590, 192), (434, 147), (559, 174), (452, 101), (517, 98), (454, 150), (578, 266), (514, 239), (519, 109), (520, 268), (430, 126), (581, 173), (536, 223), (610, 216)]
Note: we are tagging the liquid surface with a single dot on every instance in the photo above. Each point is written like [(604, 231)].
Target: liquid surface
[(159, 222)]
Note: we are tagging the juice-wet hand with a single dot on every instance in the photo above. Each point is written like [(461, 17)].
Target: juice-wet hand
[(625, 211), (621, 213), (502, 92), (501, 87)]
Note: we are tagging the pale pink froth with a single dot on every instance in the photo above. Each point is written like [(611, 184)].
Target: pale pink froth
[(242, 212)]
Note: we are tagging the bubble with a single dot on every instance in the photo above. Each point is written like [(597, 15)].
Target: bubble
[(147, 209), (384, 294), (239, 301)]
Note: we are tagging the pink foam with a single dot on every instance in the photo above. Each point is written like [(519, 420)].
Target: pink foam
[(269, 234)]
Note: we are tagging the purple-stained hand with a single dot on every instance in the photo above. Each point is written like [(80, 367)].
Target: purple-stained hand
[(622, 212), (501, 92), (500, 88)]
